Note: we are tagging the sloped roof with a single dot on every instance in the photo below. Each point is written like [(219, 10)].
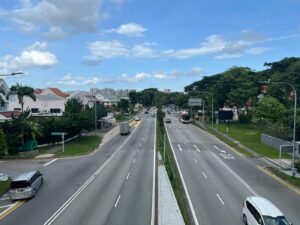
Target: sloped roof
[(38, 91), (59, 92), (10, 114)]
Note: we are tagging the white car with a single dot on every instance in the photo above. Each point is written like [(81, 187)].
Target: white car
[(137, 118), (260, 211)]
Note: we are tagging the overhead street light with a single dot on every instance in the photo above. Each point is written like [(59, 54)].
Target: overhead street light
[(295, 116), (212, 104), (12, 74)]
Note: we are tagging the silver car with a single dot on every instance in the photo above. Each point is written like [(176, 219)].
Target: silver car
[(25, 185)]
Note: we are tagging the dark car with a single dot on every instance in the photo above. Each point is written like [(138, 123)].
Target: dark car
[(167, 120)]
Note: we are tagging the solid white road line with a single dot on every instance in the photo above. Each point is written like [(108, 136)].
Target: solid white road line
[(235, 175), (47, 164), (183, 183), (195, 160), (179, 148), (91, 178), (128, 176), (154, 178), (217, 148), (204, 175), (133, 161), (197, 148), (220, 199), (117, 201), (6, 206)]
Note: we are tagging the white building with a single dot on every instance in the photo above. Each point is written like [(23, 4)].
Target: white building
[(86, 99), (107, 100), (4, 88), (45, 105)]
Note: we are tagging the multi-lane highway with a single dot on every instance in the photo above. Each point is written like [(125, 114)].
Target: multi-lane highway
[(218, 179), (114, 185)]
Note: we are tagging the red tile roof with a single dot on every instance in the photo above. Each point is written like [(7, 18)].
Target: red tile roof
[(38, 91), (10, 114), (59, 92)]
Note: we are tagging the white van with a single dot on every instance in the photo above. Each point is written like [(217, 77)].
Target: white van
[(25, 185), (260, 211)]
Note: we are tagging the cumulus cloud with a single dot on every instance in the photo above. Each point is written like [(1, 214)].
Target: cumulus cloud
[(33, 57), (71, 80), (55, 33), (129, 29), (100, 50), (136, 78), (72, 15)]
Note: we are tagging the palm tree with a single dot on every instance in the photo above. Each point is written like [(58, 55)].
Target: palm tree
[(21, 92)]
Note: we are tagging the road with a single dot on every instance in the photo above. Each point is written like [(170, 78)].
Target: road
[(218, 179), (111, 186)]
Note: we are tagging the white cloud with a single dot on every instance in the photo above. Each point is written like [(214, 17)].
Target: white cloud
[(100, 50), (142, 51), (118, 2), (129, 29), (74, 16), (33, 57), (55, 33), (196, 71), (160, 75), (257, 51), (136, 78), (70, 80)]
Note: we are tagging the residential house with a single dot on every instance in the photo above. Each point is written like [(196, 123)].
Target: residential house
[(9, 115), (45, 105), (53, 91), (4, 88), (87, 99), (108, 100)]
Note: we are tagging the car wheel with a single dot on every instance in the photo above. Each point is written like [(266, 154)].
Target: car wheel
[(245, 219), (34, 192)]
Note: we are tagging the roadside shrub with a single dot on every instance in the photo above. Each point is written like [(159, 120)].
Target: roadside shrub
[(245, 118), (3, 144)]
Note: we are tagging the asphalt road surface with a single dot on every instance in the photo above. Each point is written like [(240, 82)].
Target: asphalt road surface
[(111, 186), (218, 179)]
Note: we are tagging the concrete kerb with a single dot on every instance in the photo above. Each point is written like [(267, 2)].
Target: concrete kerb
[(168, 209)]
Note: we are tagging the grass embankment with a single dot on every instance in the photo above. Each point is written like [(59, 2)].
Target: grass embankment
[(4, 185), (173, 173), (80, 146), (250, 137), (292, 180)]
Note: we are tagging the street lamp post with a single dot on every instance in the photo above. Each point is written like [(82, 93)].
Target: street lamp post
[(295, 116), (212, 105), (12, 74)]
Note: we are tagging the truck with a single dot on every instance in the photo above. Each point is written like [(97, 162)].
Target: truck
[(124, 128)]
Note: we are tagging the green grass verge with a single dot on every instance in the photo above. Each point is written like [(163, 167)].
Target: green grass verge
[(292, 180), (250, 137), (80, 146), (173, 174), (4, 185)]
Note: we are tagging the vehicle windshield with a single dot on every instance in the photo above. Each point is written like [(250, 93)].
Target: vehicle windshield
[(279, 220), (19, 184)]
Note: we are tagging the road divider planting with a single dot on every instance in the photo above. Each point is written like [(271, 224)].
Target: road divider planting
[(172, 171)]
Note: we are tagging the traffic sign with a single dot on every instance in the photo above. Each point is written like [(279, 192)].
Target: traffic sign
[(195, 101)]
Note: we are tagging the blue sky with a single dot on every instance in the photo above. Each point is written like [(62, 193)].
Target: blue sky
[(80, 44)]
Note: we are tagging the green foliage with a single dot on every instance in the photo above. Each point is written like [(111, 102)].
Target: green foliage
[(160, 117), (269, 108), (124, 105), (21, 92), (3, 144), (73, 105), (148, 96), (245, 118), (134, 97)]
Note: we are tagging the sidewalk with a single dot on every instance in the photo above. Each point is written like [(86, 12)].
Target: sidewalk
[(168, 209)]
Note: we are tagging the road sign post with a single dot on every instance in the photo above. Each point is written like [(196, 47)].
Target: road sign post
[(62, 134)]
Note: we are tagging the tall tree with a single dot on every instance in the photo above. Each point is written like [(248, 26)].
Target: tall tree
[(21, 92)]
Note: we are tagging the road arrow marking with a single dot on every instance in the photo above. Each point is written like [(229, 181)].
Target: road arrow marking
[(179, 148), (197, 148)]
